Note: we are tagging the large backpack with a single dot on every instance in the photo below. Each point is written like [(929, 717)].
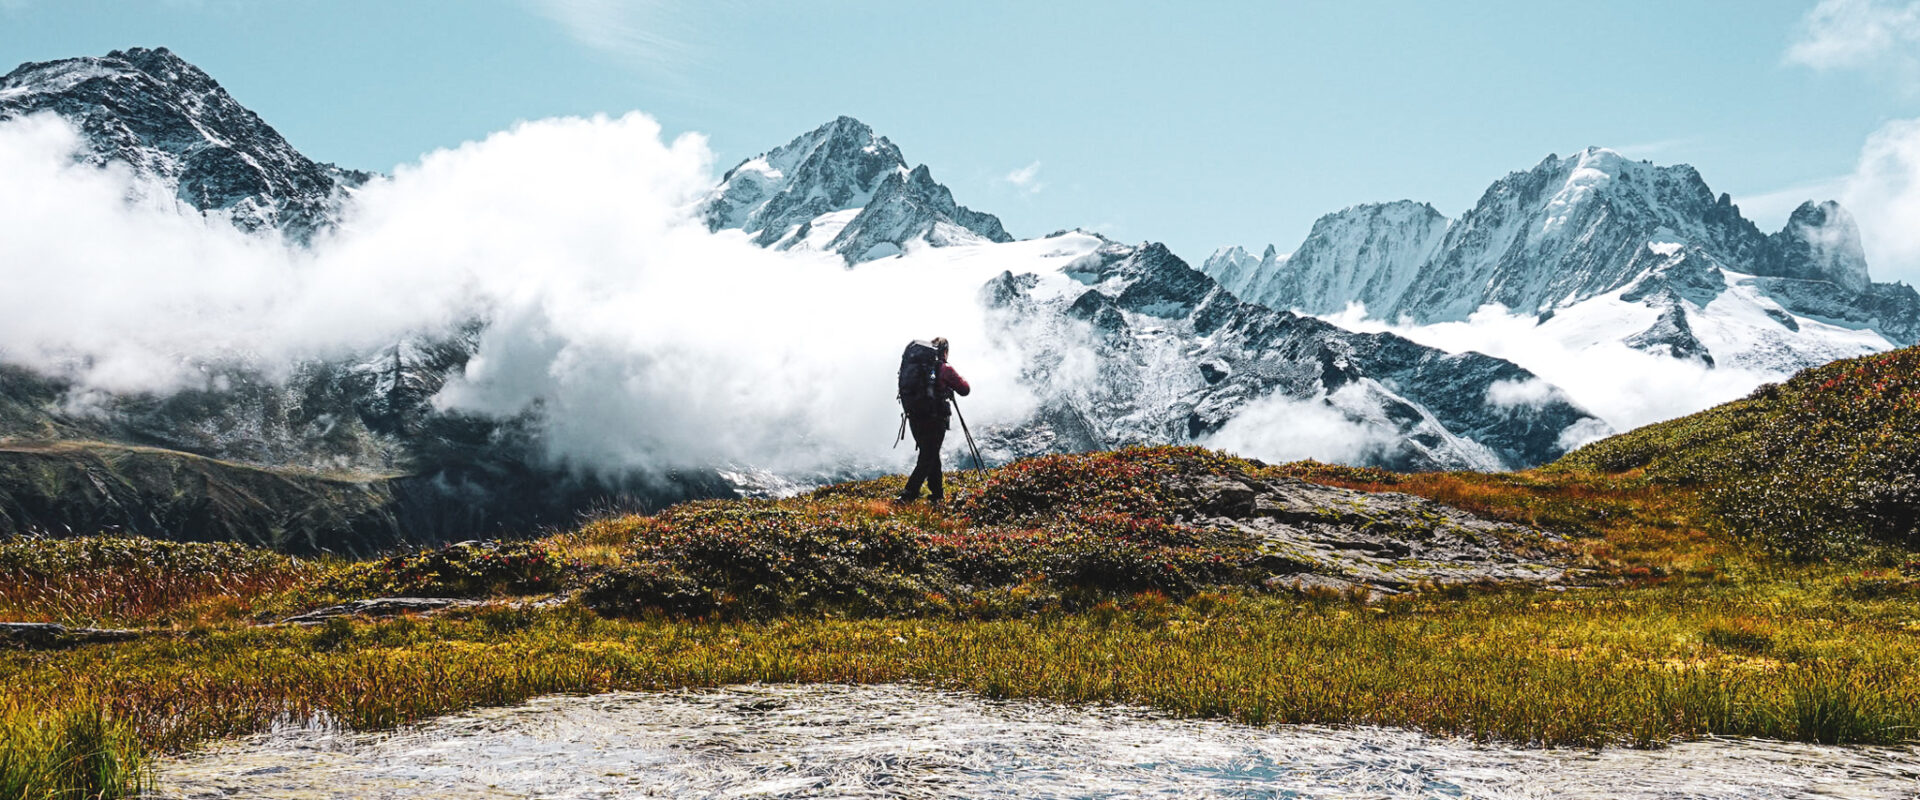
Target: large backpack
[(920, 380)]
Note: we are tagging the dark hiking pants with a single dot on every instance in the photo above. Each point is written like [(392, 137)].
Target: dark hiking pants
[(928, 433)]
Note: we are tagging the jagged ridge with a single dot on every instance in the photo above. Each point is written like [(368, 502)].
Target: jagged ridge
[(173, 123), (843, 188), (1588, 226)]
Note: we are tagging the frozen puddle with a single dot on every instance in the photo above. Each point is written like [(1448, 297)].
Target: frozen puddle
[(897, 741)]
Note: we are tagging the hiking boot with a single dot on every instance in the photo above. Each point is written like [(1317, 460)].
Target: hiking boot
[(905, 499)]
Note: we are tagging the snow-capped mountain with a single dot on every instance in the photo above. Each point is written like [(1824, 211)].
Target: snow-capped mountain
[(844, 189), (1364, 251), (155, 112), (1174, 357), (1648, 254), (1127, 344)]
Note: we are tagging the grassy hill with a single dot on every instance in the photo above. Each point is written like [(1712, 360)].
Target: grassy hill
[(1820, 466), (89, 487)]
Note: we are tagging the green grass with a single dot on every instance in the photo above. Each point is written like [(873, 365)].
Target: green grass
[(74, 752), (1824, 465), (1638, 666)]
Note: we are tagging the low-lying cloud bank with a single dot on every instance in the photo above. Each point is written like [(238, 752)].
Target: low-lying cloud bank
[(1625, 387), (646, 339)]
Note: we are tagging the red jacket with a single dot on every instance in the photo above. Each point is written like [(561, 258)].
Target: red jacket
[(951, 382)]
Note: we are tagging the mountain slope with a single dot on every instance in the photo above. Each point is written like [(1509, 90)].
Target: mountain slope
[(1640, 254), (1818, 465), (173, 123)]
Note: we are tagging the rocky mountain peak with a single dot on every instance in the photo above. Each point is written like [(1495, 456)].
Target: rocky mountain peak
[(1822, 243), (844, 188), (835, 167), (174, 124)]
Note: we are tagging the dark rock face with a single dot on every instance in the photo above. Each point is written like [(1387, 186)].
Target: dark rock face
[(1820, 243), (171, 122), (836, 166), (1673, 335), (780, 196), (1892, 309), (913, 208), (1308, 536)]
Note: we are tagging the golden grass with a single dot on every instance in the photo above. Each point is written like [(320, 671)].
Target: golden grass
[(1684, 635)]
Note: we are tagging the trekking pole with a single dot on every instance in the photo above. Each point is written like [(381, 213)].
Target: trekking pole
[(978, 463), (903, 431)]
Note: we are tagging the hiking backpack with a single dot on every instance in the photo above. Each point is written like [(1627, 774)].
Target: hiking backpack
[(920, 380)]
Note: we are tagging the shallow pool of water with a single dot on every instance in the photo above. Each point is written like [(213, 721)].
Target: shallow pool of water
[(897, 741)]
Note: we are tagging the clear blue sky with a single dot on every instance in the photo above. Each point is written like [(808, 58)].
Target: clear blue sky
[(1194, 124)]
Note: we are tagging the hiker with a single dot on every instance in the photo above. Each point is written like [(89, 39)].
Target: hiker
[(927, 386)]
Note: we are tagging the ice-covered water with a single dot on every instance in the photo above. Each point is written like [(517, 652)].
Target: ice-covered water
[(897, 741)]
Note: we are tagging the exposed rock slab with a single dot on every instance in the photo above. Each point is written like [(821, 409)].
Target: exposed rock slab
[(49, 636), (1311, 536), (382, 607)]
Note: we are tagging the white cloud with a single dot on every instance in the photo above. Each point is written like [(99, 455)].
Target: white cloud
[(1884, 195), (1281, 428), (1870, 35), (650, 341), (637, 30), (1532, 393), (1026, 178), (1625, 387), (1583, 433)]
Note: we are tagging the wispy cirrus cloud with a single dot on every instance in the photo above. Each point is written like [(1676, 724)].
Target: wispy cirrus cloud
[(1026, 179), (1869, 35), (642, 32)]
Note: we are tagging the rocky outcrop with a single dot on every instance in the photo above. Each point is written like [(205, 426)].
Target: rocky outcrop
[(51, 636), (1311, 537), (382, 607), (913, 208)]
